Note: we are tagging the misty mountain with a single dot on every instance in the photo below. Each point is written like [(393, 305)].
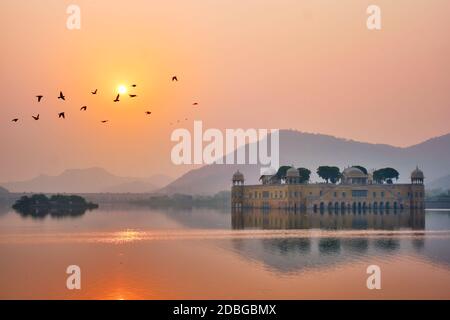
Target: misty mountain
[(3, 191), (313, 150), (141, 185), (441, 183), (91, 180)]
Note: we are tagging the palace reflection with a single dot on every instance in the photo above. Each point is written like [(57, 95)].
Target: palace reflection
[(413, 219), (296, 254)]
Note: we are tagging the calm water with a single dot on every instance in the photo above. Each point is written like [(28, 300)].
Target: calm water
[(138, 253)]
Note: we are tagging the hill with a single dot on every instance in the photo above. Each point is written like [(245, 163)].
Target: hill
[(441, 183), (3, 191), (91, 180), (312, 150)]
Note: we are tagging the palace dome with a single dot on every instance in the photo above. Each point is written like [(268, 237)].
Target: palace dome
[(238, 176), (292, 172), (353, 172), (269, 172), (417, 174)]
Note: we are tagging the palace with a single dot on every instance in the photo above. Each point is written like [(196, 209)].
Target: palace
[(357, 191)]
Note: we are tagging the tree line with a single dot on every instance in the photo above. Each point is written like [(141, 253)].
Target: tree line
[(332, 174)]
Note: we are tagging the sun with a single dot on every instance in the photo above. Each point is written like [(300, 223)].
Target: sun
[(122, 89)]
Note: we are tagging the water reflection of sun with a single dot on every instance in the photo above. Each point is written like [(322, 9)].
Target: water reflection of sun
[(122, 294), (125, 236)]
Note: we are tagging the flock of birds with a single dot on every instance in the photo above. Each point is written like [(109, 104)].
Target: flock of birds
[(62, 115)]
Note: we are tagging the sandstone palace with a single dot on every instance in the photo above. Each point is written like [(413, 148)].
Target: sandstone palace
[(354, 189)]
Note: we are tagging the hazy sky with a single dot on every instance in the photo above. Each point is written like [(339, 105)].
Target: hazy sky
[(310, 65)]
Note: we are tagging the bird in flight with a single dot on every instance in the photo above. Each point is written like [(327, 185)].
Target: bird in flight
[(39, 97), (117, 98), (195, 104), (36, 117), (94, 92), (83, 108), (132, 95), (61, 115), (148, 112), (61, 96), (174, 78), (105, 121), (14, 120)]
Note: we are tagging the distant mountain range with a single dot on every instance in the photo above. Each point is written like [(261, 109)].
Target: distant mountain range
[(296, 148), (441, 183), (92, 180), (3, 191), (312, 150)]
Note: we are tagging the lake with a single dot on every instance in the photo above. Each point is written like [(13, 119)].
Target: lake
[(127, 252)]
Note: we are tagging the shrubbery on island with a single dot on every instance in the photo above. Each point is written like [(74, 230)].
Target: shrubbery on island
[(57, 205)]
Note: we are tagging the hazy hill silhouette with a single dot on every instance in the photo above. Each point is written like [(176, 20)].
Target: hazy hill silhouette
[(312, 150), (140, 185), (87, 181), (441, 183), (296, 148), (3, 191)]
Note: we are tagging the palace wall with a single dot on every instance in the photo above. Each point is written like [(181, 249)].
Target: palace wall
[(327, 196)]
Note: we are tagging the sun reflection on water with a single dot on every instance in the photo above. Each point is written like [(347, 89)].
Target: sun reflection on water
[(126, 236)]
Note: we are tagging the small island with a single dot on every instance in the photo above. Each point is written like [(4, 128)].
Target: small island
[(39, 205)]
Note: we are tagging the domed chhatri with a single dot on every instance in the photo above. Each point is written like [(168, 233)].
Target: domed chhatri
[(292, 175), (269, 172), (269, 176), (238, 178), (292, 172), (353, 190), (417, 176), (353, 172), (353, 175)]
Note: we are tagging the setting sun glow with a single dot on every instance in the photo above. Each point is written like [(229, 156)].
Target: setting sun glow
[(122, 89)]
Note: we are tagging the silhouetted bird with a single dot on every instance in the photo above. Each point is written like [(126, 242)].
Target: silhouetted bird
[(61, 96), (133, 85), (83, 108), (195, 104), (61, 115), (174, 78), (132, 95), (105, 121), (117, 98), (94, 92), (36, 117), (15, 120), (39, 98), (148, 112)]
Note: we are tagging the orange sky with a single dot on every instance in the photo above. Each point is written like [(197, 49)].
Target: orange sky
[(309, 65)]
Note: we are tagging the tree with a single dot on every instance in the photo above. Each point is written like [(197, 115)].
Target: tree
[(281, 173), (361, 168), (335, 174), (332, 174), (390, 173), (305, 174), (385, 175), (322, 172), (378, 176)]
